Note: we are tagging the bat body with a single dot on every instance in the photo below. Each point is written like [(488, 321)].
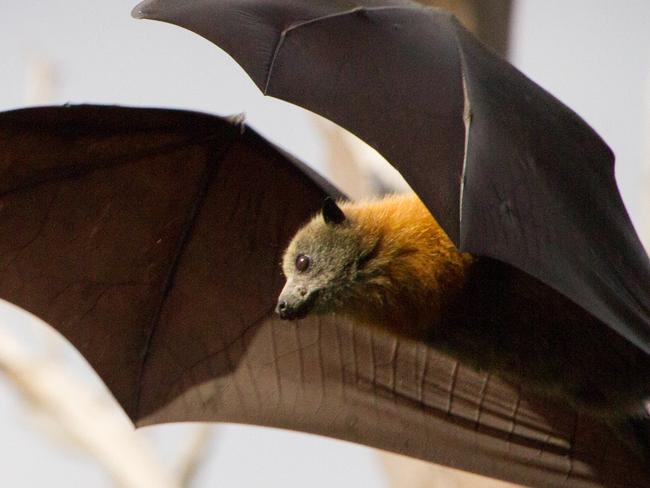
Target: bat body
[(387, 263)]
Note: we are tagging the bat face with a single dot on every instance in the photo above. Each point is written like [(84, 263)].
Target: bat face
[(320, 265)]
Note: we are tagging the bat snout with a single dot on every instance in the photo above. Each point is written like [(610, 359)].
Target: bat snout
[(296, 311), (295, 305)]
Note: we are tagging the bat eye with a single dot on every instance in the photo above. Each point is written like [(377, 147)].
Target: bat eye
[(302, 262)]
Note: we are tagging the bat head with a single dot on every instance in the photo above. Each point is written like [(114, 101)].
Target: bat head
[(322, 265)]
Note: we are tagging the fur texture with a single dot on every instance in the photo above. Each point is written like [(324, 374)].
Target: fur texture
[(388, 264)]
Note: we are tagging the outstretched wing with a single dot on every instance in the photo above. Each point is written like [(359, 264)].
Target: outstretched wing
[(507, 170), (134, 232), (151, 240)]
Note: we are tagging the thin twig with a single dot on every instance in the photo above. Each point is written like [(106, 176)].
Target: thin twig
[(195, 455)]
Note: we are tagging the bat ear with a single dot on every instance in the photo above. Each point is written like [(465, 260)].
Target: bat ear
[(332, 213)]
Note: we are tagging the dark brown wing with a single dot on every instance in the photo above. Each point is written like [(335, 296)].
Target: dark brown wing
[(151, 240), (508, 171), (115, 220)]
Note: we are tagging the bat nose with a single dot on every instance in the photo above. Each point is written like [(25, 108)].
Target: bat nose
[(282, 308), (293, 306)]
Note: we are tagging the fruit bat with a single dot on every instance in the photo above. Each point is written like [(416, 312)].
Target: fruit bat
[(151, 239)]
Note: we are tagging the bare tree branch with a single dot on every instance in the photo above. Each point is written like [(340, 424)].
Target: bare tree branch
[(195, 455)]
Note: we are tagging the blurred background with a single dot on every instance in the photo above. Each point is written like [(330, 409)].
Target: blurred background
[(59, 426)]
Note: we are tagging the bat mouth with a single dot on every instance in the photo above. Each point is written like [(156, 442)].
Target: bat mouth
[(296, 311)]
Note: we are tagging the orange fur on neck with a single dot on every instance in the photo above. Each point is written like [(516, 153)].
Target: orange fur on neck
[(415, 271)]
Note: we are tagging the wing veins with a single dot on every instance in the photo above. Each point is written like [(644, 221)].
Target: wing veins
[(303, 23), (186, 234)]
